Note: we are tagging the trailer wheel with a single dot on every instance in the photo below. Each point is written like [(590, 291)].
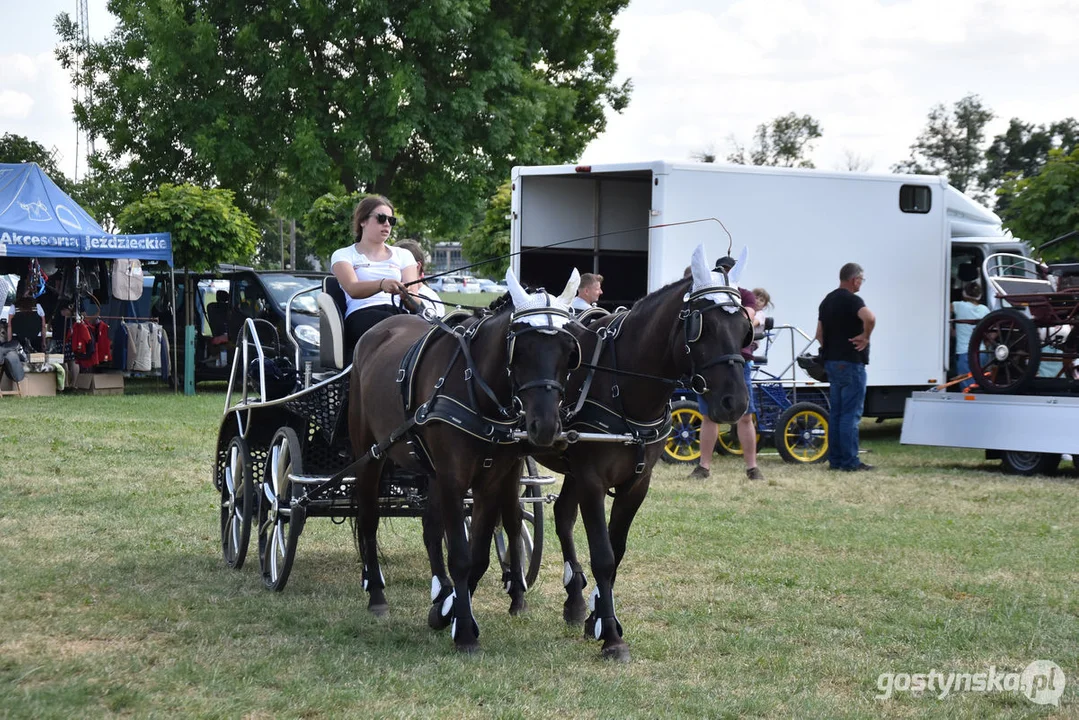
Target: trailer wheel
[(684, 443), (802, 433), (279, 523), (728, 442), (1005, 351), (1015, 462)]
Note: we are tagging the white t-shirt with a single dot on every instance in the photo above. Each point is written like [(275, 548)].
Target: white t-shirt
[(9, 310), (965, 310), (372, 270), (579, 303), (432, 300)]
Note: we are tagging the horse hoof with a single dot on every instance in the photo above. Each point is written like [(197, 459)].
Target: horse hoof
[(471, 649), (616, 653), (381, 610), (574, 613), (436, 620), (518, 607)]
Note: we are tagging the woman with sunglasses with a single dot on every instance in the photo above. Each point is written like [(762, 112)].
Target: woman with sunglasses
[(370, 271)]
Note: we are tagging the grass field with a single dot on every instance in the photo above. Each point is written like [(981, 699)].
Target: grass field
[(738, 600)]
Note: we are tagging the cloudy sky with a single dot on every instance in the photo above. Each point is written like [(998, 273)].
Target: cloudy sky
[(708, 70)]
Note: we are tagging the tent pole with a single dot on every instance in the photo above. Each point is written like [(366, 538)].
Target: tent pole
[(175, 339)]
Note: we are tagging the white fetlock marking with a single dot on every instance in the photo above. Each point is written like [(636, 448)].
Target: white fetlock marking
[(592, 599), (599, 629), (567, 575), (365, 584), (506, 586), (524, 583), (447, 604), (382, 576), (453, 629), (436, 587)]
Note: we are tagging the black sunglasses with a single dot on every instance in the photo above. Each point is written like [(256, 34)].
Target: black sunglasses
[(383, 218)]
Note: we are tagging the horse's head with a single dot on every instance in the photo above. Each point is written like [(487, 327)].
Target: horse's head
[(541, 354), (715, 328)]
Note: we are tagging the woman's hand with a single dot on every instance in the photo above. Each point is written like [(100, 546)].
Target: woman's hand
[(393, 287)]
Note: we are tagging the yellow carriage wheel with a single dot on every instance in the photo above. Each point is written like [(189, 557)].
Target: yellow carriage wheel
[(684, 443), (802, 433), (728, 442)]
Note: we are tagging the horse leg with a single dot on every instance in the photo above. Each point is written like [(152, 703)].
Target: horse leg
[(463, 626), (623, 510), (441, 586), (565, 517), (484, 517), (366, 534), (602, 624)]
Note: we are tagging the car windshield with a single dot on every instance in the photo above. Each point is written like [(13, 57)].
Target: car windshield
[(282, 287)]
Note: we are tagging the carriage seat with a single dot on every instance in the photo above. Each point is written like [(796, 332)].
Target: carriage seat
[(331, 325), (758, 335)]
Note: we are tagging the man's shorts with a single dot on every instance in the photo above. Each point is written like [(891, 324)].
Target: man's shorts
[(748, 373)]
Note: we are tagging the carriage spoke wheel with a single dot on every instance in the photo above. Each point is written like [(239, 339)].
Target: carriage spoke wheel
[(531, 531), (728, 443), (802, 433), (237, 503), (279, 524), (1005, 351), (684, 443)]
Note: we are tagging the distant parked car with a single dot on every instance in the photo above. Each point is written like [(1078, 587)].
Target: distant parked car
[(461, 283), (490, 286)]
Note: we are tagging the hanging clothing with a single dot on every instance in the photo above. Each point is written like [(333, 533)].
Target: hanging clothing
[(120, 348), (142, 362), (154, 340)]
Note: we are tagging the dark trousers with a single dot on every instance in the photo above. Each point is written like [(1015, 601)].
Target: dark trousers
[(359, 322), (847, 400)]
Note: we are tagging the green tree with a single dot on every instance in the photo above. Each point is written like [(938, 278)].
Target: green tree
[(1022, 151), (20, 149), (951, 144), (328, 224), (1046, 206), (785, 142), (428, 103), (490, 238), (104, 191)]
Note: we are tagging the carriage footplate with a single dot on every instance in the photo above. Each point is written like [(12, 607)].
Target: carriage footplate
[(537, 480)]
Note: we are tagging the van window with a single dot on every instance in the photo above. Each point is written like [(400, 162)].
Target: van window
[(915, 198)]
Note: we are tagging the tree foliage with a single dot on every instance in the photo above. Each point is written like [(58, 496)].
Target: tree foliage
[(207, 228), (490, 238), (429, 103), (328, 224), (20, 149), (1022, 151), (1046, 205), (951, 144), (786, 142)]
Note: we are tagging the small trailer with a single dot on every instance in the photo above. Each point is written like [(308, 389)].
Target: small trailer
[(1026, 432)]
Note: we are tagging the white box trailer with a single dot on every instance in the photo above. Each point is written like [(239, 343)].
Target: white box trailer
[(638, 223)]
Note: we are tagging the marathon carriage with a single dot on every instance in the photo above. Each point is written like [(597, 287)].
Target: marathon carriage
[(791, 414), (283, 452), (1033, 338)]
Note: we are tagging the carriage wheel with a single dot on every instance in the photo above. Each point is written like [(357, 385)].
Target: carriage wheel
[(1015, 462), (1005, 351), (728, 442), (684, 443), (531, 532), (802, 433), (280, 524), (237, 503)]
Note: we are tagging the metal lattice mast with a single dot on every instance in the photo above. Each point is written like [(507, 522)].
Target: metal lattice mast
[(82, 19)]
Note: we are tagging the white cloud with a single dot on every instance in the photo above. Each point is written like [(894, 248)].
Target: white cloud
[(15, 104)]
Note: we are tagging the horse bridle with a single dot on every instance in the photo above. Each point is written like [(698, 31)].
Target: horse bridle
[(696, 304), (551, 312)]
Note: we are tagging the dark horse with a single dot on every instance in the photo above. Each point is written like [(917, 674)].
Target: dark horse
[(691, 328), (453, 398)]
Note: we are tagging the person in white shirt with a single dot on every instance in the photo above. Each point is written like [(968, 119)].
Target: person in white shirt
[(970, 309), (428, 297), (370, 271), (588, 292)]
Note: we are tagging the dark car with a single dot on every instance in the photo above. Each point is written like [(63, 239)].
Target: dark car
[(226, 299)]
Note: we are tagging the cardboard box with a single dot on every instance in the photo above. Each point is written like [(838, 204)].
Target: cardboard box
[(100, 383), (33, 385)]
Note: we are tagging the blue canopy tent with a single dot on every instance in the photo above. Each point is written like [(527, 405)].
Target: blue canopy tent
[(39, 220)]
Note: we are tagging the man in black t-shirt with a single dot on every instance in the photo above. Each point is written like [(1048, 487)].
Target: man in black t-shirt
[(844, 325)]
